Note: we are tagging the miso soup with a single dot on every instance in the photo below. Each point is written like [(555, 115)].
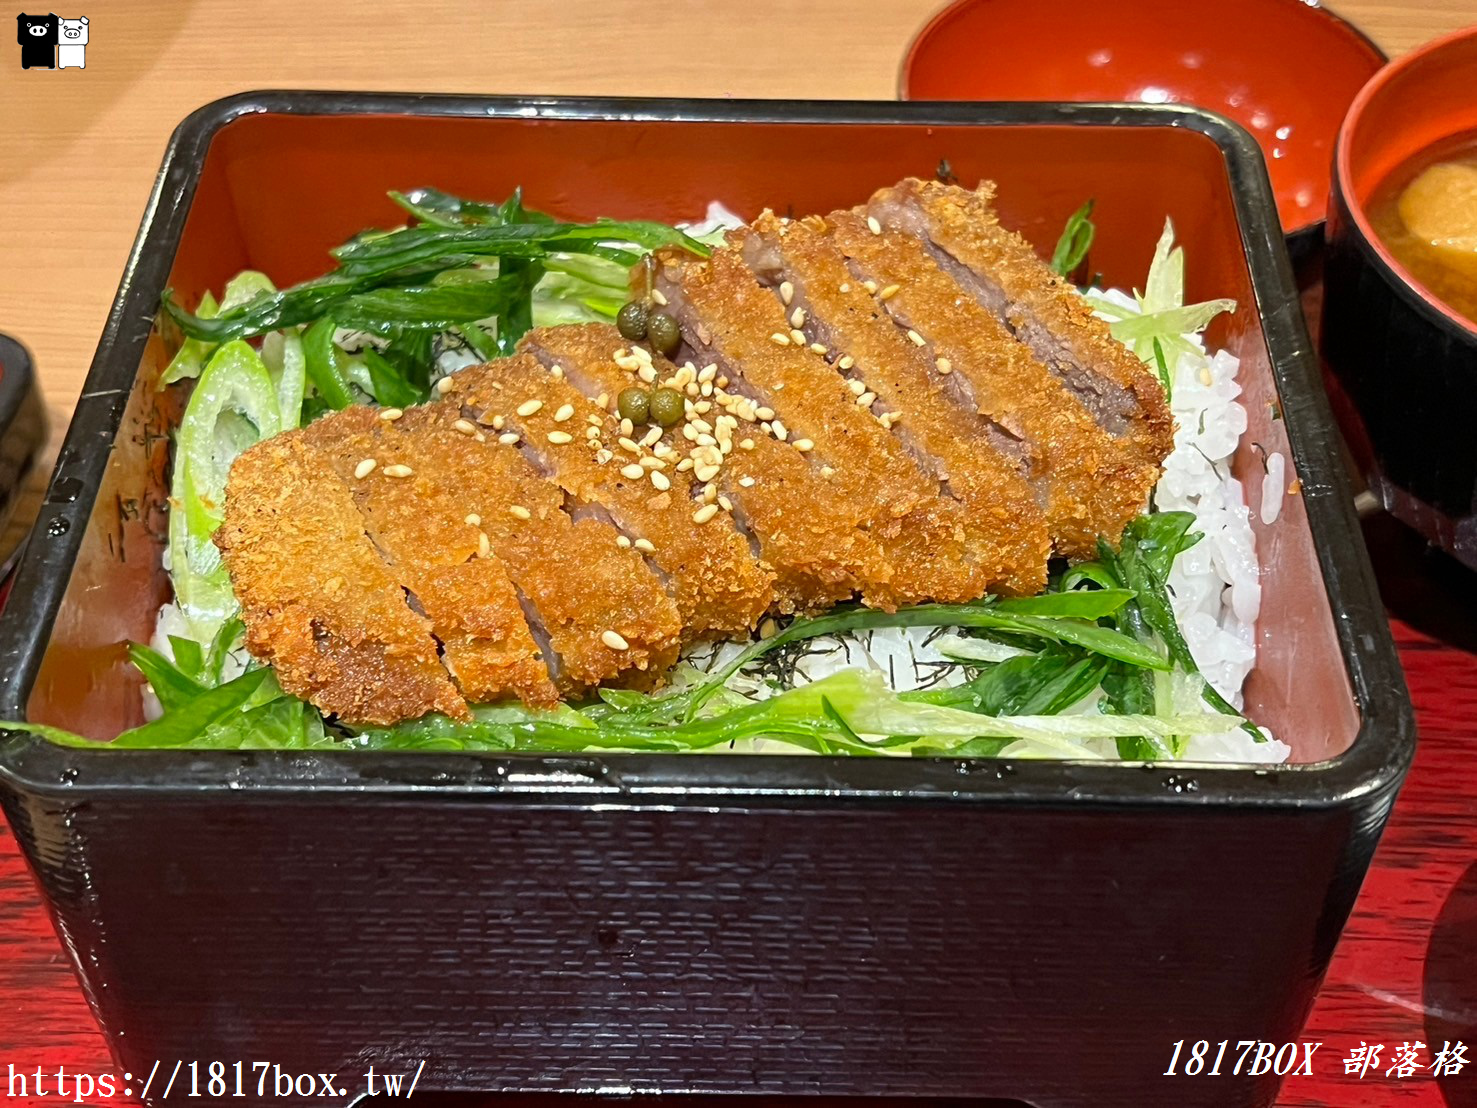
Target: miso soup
[(1425, 213)]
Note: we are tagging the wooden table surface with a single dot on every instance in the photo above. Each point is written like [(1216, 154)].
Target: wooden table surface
[(80, 149)]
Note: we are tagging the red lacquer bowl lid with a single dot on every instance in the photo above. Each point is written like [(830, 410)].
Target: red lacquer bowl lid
[(1284, 69)]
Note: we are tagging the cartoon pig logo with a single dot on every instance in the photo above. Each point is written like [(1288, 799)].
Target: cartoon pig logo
[(71, 50), (37, 37)]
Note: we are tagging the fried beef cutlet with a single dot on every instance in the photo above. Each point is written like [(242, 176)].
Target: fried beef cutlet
[(1084, 474), (318, 603), (1004, 528), (897, 402), (718, 586), (789, 512), (597, 610), (728, 318), (962, 231), (435, 552)]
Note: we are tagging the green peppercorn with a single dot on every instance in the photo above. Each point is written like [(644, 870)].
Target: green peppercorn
[(634, 404), (667, 407), (630, 321), (663, 333)]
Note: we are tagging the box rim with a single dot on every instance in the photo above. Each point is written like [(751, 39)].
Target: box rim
[(1374, 763)]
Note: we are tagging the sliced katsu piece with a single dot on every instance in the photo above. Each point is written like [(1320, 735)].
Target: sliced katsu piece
[(1092, 487), (318, 603), (596, 608), (1004, 526), (962, 231), (730, 321), (718, 586), (436, 553), (788, 512)]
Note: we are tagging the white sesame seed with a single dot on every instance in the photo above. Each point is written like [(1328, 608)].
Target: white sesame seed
[(652, 462), (684, 465), (520, 511), (797, 337), (647, 374), (656, 294), (473, 520), (787, 291), (855, 386), (508, 439), (889, 292), (781, 432), (651, 436), (389, 415), (628, 444), (660, 480), (845, 286), (603, 400), (705, 513), (592, 433), (614, 641), (497, 423), (846, 361), (870, 286), (818, 348), (707, 373), (746, 444), (465, 426), (398, 471), (557, 371), (622, 542), (602, 456), (528, 407), (781, 338), (797, 318), (565, 412), (873, 225), (803, 445), (705, 439), (764, 412), (705, 472), (627, 428), (445, 385), (365, 468), (866, 399), (691, 388), (633, 471), (827, 471), (559, 438), (644, 545), (484, 544), (915, 338), (725, 503), (944, 365)]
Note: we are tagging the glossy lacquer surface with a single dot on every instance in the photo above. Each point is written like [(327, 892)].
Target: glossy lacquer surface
[(908, 927), (1404, 362), (1285, 70)]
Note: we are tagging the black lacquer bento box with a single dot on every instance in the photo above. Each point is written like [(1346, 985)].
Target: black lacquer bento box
[(1035, 931)]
